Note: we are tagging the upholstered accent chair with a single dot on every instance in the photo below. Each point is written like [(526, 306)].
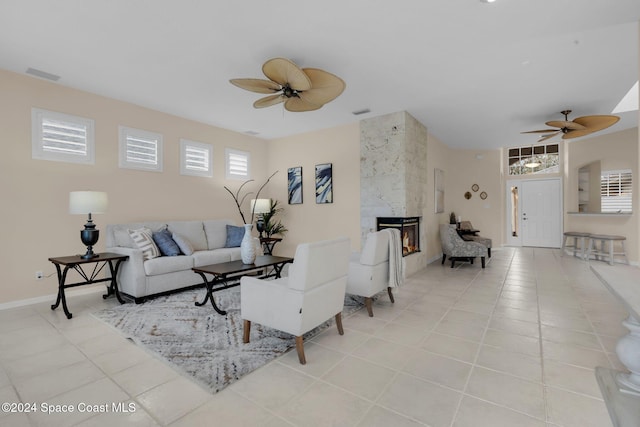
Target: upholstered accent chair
[(369, 270), (312, 293), (457, 249), (466, 225)]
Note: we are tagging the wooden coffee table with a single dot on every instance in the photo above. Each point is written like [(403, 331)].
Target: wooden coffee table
[(224, 272)]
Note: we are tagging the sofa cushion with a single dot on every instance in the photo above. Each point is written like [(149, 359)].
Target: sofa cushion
[(163, 265), (192, 231), (202, 258), (183, 243), (234, 236), (216, 231), (165, 243), (142, 237)]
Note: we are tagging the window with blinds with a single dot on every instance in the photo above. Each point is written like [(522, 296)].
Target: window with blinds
[(615, 191), (196, 158), (61, 137), (237, 164), (140, 149)]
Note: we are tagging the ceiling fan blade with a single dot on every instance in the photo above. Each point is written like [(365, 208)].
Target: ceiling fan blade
[(325, 87), (565, 124), (576, 133), (297, 105), (256, 85), (268, 101), (284, 71), (598, 122), (545, 137), (541, 131)]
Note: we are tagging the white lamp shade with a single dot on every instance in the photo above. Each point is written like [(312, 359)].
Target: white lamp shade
[(260, 206), (85, 202)]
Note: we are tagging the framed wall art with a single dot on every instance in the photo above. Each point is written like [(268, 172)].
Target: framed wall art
[(438, 180), (324, 183), (294, 185)]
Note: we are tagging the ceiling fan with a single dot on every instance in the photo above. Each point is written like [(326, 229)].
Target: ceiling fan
[(301, 89), (576, 128)]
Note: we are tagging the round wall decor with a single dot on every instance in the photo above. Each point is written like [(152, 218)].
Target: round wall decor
[(467, 195), (475, 187), (483, 195)]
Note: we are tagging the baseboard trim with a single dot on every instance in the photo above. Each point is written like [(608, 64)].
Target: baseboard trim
[(51, 298)]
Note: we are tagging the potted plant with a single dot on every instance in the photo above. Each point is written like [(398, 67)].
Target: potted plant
[(273, 226)]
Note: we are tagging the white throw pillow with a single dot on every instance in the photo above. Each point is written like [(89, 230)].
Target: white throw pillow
[(185, 245), (143, 238)]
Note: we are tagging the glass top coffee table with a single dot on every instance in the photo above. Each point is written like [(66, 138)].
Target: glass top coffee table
[(224, 272)]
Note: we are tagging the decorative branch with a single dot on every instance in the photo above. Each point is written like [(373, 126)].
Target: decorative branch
[(240, 201)]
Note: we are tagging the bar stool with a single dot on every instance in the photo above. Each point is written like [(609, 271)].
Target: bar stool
[(607, 252), (576, 235)]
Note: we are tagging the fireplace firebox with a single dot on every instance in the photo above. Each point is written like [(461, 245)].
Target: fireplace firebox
[(409, 228)]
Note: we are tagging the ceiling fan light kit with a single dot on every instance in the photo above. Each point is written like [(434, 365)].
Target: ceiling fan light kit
[(581, 126), (301, 89)]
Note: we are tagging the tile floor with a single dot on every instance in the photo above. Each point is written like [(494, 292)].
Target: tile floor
[(512, 345)]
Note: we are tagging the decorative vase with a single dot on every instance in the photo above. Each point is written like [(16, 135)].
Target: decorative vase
[(247, 246)]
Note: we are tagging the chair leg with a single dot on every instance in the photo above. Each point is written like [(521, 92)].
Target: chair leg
[(300, 350), (390, 294), (453, 260), (489, 252), (339, 323), (368, 304), (482, 260), (444, 257), (247, 331), (471, 261)]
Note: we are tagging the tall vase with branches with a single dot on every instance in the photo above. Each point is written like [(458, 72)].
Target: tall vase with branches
[(248, 244)]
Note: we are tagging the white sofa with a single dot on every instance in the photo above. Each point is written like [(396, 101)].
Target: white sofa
[(140, 278)]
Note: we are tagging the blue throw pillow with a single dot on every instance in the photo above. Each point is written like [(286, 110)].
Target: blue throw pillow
[(165, 243), (234, 236)]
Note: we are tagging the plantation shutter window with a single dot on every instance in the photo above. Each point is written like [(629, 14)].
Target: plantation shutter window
[(62, 137), (196, 158), (140, 149), (615, 191), (237, 163)]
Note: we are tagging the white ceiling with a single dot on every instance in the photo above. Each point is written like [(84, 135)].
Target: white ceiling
[(475, 74)]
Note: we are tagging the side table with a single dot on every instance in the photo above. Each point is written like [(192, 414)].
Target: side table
[(268, 243), (76, 262)]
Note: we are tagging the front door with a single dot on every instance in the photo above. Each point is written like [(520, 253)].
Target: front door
[(541, 218)]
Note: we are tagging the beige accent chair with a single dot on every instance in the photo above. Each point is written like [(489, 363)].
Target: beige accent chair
[(312, 293), (369, 270)]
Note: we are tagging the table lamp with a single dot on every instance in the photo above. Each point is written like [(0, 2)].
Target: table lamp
[(88, 202), (260, 207)]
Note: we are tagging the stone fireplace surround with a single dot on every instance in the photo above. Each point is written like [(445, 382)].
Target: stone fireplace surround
[(393, 175)]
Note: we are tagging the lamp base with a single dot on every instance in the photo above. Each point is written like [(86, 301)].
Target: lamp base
[(89, 237), (89, 254)]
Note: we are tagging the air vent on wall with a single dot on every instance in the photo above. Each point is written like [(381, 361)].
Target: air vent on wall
[(43, 74)]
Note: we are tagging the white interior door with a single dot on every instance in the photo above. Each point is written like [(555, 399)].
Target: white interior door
[(541, 212)]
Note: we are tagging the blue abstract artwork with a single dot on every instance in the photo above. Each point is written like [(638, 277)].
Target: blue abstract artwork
[(294, 185), (324, 183)]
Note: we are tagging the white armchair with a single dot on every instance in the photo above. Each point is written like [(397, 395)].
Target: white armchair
[(369, 269), (312, 293)]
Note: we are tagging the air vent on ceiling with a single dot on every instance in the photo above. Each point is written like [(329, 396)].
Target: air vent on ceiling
[(251, 132), (43, 74), (364, 111)]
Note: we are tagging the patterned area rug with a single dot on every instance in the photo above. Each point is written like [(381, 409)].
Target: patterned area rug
[(201, 343)]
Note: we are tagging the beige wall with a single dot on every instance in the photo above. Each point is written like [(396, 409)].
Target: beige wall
[(437, 157), (618, 150), (310, 221), (468, 167), (35, 193)]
